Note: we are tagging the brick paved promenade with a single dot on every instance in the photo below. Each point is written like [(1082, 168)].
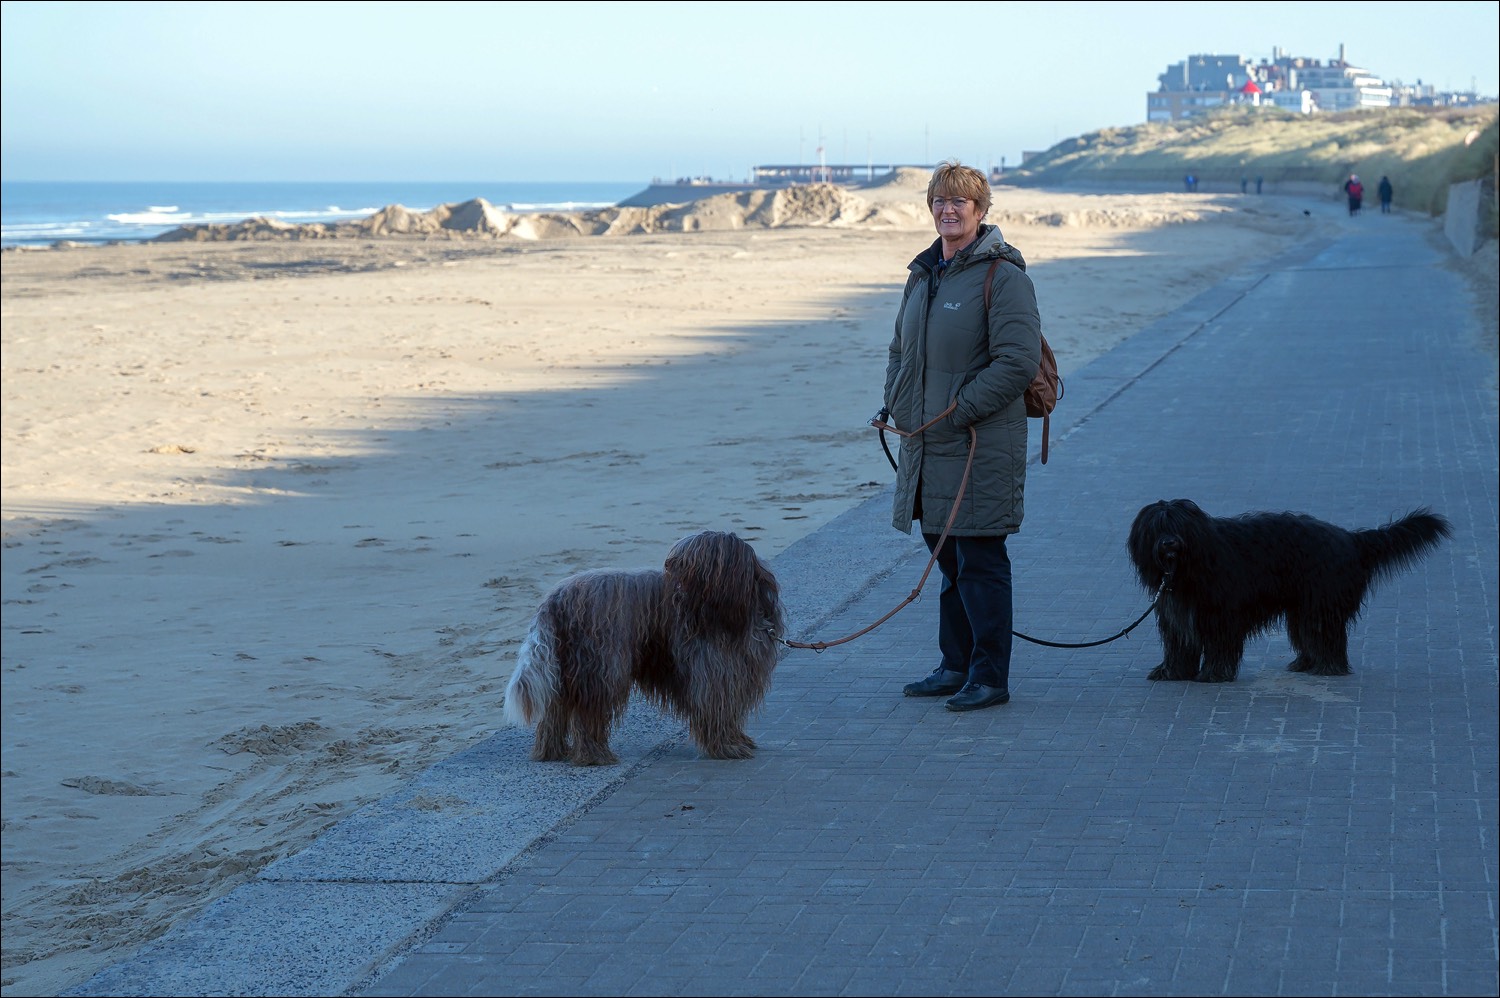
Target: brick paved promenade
[(1101, 834)]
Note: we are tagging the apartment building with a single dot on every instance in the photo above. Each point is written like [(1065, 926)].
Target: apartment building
[(1294, 83)]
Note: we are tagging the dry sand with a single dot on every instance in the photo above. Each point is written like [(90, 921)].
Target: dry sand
[(275, 513)]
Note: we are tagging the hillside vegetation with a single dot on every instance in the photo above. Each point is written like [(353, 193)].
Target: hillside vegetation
[(1423, 151)]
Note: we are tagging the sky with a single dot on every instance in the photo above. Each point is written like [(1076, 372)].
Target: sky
[(622, 92)]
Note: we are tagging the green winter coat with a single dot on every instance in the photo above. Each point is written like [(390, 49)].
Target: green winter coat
[(946, 347)]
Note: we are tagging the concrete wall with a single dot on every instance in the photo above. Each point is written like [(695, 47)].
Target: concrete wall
[(1462, 219)]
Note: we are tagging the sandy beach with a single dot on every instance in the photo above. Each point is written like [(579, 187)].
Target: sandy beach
[(276, 512)]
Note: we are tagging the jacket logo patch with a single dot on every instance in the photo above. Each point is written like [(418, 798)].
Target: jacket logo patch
[(953, 306)]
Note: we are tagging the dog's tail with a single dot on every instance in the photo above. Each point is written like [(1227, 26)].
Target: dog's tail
[(1399, 544), (535, 681)]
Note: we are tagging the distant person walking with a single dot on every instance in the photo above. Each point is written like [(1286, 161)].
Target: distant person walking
[(1356, 192), (1245, 185), (1258, 181), (1386, 192)]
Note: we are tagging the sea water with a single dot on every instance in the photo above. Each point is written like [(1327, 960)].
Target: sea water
[(44, 212)]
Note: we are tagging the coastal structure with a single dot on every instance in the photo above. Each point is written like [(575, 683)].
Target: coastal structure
[(1293, 83), (779, 174), (768, 177)]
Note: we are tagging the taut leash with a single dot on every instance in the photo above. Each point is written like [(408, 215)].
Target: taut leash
[(879, 422)]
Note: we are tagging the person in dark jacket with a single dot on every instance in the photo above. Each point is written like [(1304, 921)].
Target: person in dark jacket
[(1386, 192), (961, 365)]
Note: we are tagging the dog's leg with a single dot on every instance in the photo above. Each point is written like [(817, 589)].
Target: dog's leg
[(601, 692), (551, 743), (1180, 646), (720, 732), (591, 740), (1328, 644), (1320, 635), (720, 738), (1222, 651), (1300, 634), (720, 689), (716, 722)]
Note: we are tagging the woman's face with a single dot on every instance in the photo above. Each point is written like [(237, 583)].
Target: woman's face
[(956, 218)]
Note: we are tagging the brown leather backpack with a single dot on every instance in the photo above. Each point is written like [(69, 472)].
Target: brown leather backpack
[(1046, 386)]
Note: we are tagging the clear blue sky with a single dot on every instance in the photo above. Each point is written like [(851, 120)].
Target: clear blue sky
[(626, 92)]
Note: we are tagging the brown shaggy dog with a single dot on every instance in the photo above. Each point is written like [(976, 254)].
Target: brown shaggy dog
[(699, 638), (1228, 578)]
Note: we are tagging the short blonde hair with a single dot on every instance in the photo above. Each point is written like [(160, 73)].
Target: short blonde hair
[(952, 179)]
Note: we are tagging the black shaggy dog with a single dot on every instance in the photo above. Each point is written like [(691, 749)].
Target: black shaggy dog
[(1229, 578), (699, 637)]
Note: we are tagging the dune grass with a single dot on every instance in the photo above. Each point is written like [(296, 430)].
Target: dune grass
[(1422, 150)]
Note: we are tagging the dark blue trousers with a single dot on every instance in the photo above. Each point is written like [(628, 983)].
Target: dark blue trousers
[(974, 608)]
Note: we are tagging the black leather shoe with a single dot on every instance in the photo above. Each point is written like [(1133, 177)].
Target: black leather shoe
[(939, 684), (975, 696)]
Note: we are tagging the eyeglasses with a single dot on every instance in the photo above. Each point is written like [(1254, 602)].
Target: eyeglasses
[(957, 203)]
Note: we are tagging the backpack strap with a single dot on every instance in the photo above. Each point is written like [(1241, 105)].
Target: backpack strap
[(989, 280)]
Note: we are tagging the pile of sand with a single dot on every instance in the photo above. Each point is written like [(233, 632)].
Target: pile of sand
[(811, 205), (904, 181), (250, 229)]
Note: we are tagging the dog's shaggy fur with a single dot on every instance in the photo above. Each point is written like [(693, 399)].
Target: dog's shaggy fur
[(699, 638), (1229, 578)]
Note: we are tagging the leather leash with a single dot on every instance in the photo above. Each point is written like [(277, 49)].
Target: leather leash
[(916, 593)]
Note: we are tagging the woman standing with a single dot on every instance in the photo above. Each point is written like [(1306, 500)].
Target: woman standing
[(954, 353)]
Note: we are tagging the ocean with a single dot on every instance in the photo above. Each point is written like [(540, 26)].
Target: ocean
[(39, 213)]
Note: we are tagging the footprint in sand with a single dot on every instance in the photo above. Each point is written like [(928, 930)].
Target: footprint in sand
[(114, 788), (66, 563)]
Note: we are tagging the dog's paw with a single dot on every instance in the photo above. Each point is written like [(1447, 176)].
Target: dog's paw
[(731, 750), (1329, 669), (1161, 672), (549, 753), (1299, 664), (1215, 677)]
